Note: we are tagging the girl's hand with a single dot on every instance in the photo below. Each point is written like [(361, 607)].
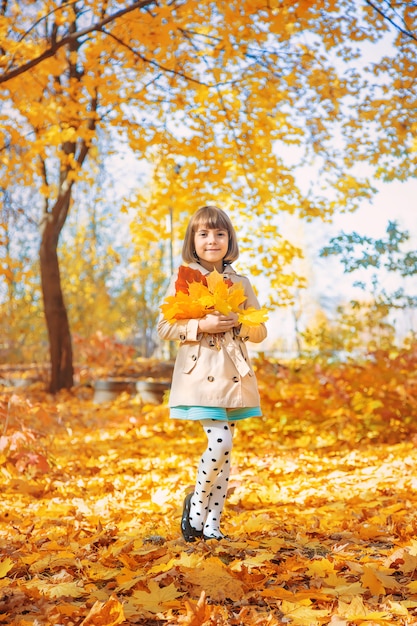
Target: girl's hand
[(217, 323)]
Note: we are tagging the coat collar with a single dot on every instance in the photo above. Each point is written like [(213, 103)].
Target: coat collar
[(196, 266)]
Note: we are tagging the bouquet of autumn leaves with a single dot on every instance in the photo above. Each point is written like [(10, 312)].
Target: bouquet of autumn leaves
[(197, 295)]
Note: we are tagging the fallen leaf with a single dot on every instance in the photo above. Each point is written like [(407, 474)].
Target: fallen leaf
[(5, 567), (217, 581), (108, 613), (303, 614), (155, 599)]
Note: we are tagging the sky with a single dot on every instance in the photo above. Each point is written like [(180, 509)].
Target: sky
[(329, 285), (394, 202)]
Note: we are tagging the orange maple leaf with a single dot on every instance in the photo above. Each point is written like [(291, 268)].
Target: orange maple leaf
[(182, 306), (187, 275), (108, 613), (197, 613)]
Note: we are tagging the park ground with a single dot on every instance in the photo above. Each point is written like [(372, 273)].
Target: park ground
[(321, 515)]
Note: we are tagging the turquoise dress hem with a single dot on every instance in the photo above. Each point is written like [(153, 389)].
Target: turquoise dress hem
[(198, 413)]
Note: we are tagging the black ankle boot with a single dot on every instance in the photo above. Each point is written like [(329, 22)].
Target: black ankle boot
[(188, 532), (215, 536)]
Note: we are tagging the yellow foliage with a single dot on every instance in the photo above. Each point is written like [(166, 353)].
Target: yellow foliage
[(232, 91)]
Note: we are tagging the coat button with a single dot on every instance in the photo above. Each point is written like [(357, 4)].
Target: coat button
[(235, 379), (182, 337), (194, 358), (210, 378)]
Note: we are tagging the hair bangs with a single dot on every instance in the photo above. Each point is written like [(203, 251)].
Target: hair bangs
[(211, 218)]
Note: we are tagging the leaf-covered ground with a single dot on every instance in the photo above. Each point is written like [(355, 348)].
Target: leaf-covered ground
[(321, 515)]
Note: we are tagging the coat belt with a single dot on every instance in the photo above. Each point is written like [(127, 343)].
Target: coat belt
[(237, 357)]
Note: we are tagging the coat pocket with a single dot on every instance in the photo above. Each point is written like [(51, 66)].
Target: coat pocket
[(187, 357)]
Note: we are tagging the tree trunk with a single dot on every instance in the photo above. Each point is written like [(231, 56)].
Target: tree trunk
[(60, 345)]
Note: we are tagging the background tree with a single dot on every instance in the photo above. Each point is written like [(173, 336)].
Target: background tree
[(238, 105), (382, 264), (358, 252)]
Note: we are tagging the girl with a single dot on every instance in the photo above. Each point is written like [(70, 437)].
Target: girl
[(213, 381)]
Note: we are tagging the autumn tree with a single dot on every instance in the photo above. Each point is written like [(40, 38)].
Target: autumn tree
[(46, 53), (376, 260), (21, 321), (238, 93), (389, 253)]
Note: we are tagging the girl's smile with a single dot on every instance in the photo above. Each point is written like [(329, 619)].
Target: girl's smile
[(211, 245)]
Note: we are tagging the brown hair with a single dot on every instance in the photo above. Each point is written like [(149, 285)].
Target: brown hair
[(209, 217)]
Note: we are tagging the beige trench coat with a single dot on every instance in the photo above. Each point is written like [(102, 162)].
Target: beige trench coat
[(213, 375)]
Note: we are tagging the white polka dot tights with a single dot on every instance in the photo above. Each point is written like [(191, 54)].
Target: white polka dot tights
[(212, 478)]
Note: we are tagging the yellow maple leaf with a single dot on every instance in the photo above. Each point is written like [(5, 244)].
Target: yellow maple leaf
[(214, 280), (385, 578), (303, 614), (221, 301), (236, 296), (57, 590), (201, 294), (413, 547), (5, 567), (250, 562), (127, 579), (97, 571), (407, 561), (217, 581), (412, 586), (192, 560), (64, 559), (345, 591), (372, 582), (356, 610), (154, 599), (252, 316), (225, 298)]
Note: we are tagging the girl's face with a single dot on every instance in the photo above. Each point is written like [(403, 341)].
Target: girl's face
[(211, 246)]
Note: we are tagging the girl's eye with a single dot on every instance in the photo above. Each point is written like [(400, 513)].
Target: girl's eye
[(204, 233)]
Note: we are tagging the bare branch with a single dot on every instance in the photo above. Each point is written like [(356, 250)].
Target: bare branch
[(407, 33), (49, 52), (168, 70), (44, 17)]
